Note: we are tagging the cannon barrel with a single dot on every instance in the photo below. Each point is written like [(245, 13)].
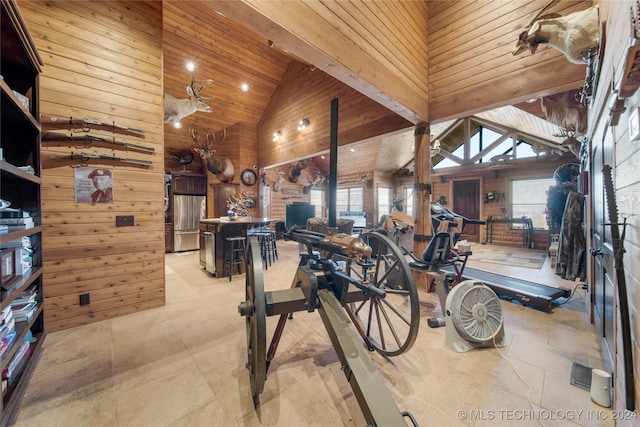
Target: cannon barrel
[(341, 243)]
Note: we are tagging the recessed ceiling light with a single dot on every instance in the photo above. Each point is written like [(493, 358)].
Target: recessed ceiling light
[(191, 66), (353, 150), (244, 87)]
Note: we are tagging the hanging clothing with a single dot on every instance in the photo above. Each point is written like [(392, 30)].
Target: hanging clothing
[(571, 256)]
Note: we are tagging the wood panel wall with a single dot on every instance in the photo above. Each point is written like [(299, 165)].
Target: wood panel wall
[(470, 64), (229, 55), (103, 60), (239, 146), (499, 181), (307, 92), (378, 47), (625, 155)]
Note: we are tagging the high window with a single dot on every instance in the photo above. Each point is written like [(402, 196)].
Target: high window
[(349, 199), (529, 198), (408, 200), (316, 197), (384, 201)]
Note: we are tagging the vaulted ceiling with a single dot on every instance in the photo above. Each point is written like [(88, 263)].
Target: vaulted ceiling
[(231, 54)]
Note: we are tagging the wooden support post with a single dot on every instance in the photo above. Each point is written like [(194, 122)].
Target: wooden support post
[(422, 229)]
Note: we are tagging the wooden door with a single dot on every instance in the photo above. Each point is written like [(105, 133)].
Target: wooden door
[(602, 256), (466, 202)]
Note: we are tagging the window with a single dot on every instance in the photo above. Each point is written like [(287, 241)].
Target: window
[(408, 200), (529, 198), (349, 199), (384, 201), (316, 197)]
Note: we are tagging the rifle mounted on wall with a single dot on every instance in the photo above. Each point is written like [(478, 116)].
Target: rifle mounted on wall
[(90, 139), (85, 125), (84, 158)]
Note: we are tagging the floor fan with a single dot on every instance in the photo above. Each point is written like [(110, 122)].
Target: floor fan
[(474, 317)]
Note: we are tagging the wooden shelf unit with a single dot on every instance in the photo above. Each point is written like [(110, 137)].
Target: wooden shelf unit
[(20, 135)]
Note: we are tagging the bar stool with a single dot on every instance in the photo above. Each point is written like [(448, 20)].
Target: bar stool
[(274, 247), (264, 239), (235, 252)]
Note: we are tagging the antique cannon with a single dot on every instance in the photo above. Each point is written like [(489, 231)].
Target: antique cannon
[(364, 292)]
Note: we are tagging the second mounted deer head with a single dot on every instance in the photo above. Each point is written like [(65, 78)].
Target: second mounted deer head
[(296, 170), (221, 167), (176, 109), (571, 142), (278, 184)]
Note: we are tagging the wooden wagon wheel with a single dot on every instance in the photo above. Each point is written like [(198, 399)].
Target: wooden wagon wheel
[(254, 311), (390, 324)]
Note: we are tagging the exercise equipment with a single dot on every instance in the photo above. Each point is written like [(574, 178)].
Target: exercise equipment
[(361, 298), (527, 293), (474, 317)]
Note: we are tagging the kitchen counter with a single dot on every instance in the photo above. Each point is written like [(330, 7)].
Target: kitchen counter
[(221, 229)]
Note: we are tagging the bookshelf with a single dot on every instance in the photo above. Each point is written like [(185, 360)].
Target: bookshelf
[(20, 184)]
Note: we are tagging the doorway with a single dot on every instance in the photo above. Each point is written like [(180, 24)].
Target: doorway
[(466, 202), (602, 254)]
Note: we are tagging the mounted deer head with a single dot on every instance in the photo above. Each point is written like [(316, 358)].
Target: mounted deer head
[(221, 167), (318, 181), (176, 109), (573, 35), (296, 170), (571, 142), (278, 184), (398, 202), (564, 110), (366, 182)]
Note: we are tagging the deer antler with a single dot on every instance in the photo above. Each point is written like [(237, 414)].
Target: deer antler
[(193, 85), (194, 136)]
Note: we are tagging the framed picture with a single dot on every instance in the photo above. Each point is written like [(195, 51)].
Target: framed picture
[(7, 266)]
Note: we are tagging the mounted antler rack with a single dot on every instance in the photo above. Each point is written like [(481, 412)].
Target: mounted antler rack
[(370, 284)]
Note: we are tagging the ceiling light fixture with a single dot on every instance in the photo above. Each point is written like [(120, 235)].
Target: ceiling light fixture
[(244, 87), (191, 66), (302, 124), (177, 125), (277, 135)]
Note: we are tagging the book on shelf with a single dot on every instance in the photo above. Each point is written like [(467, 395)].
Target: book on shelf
[(26, 296), (7, 342), (24, 312), (14, 224), (16, 221), (13, 213), (25, 242), (16, 363)]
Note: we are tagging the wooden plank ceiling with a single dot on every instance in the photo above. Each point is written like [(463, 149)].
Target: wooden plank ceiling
[(231, 54)]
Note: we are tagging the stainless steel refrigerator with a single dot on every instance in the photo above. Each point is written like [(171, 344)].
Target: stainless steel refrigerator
[(187, 213)]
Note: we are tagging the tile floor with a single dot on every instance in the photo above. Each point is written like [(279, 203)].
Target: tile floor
[(184, 365)]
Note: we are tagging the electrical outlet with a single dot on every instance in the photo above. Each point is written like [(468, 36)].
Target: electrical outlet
[(125, 220), (85, 299)]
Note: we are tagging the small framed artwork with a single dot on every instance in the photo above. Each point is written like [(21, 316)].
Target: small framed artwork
[(7, 267), (634, 125)]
